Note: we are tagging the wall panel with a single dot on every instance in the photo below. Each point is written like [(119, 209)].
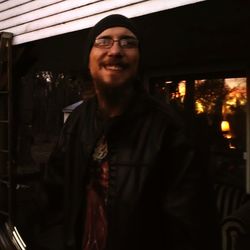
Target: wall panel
[(38, 19)]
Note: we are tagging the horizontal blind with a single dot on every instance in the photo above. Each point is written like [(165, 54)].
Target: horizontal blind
[(38, 19)]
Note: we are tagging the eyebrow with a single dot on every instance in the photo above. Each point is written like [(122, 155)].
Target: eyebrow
[(122, 37), (100, 37)]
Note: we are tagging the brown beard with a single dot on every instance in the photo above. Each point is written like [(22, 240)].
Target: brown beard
[(114, 94)]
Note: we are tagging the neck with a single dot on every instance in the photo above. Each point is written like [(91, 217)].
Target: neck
[(113, 101)]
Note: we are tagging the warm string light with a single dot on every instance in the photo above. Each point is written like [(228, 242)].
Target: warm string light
[(225, 127)]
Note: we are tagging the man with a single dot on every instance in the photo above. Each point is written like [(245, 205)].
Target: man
[(128, 178)]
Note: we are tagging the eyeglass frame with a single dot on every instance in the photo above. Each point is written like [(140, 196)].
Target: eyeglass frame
[(112, 41)]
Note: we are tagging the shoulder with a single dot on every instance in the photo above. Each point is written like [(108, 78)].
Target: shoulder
[(163, 111), (78, 114)]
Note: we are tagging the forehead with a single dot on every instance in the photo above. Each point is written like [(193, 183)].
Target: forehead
[(117, 32)]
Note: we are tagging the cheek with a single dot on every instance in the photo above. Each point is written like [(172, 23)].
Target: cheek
[(93, 60), (91, 65), (135, 61)]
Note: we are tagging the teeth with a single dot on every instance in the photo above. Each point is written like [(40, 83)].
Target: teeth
[(113, 67)]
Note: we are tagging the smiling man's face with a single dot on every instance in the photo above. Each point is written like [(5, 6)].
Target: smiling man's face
[(115, 66)]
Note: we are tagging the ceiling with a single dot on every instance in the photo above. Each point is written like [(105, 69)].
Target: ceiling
[(205, 38)]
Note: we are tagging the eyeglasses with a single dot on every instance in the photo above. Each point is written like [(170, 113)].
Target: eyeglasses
[(125, 43)]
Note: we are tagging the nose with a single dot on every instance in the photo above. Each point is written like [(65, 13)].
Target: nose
[(115, 49)]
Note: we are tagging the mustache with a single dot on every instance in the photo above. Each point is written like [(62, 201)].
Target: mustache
[(115, 61)]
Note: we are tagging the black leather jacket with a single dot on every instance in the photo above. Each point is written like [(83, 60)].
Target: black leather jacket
[(157, 195)]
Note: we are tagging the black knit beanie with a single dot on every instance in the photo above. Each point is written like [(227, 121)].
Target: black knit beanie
[(110, 21)]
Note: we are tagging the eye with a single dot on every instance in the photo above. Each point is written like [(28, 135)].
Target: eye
[(129, 42), (103, 42), (124, 42)]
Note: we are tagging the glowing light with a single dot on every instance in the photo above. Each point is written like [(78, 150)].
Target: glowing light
[(225, 127), (199, 107), (182, 88)]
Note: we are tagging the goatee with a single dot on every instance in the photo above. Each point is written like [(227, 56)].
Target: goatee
[(113, 93)]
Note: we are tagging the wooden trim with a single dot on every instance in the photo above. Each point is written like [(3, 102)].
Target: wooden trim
[(247, 156), (29, 23)]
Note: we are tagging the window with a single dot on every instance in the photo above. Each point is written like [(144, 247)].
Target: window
[(216, 112)]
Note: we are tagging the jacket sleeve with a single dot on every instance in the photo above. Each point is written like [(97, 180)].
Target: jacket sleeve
[(54, 179), (52, 184), (189, 207)]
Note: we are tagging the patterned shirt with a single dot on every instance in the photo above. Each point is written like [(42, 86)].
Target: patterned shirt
[(95, 233)]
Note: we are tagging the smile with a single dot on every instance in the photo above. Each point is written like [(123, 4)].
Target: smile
[(114, 67)]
